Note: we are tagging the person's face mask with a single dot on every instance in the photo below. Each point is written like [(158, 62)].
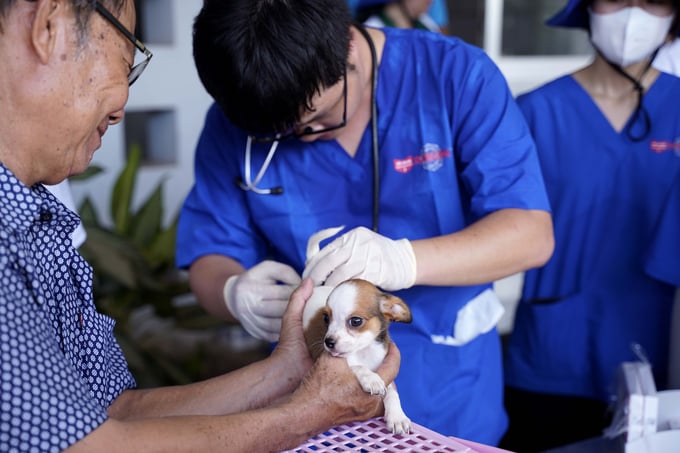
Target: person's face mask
[(628, 36)]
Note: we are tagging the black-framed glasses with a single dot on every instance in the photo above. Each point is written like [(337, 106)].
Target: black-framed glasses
[(308, 130), (137, 69)]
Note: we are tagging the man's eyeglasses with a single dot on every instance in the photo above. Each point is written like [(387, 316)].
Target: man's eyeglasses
[(308, 130), (137, 69)]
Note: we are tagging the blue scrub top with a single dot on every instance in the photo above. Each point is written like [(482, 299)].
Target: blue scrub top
[(453, 148), (663, 258), (580, 313)]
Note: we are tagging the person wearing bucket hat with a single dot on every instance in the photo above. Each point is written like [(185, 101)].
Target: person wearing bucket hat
[(608, 137), (429, 15), (396, 13)]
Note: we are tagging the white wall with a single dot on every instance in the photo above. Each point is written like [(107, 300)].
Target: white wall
[(169, 82)]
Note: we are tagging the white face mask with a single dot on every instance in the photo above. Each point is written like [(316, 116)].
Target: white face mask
[(629, 35)]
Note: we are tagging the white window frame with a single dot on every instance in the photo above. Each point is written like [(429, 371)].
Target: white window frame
[(523, 73)]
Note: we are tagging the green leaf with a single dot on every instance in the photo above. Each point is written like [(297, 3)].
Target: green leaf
[(162, 248), (88, 214), (146, 224), (113, 256), (121, 199)]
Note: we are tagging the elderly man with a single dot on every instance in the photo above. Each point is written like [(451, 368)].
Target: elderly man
[(67, 67)]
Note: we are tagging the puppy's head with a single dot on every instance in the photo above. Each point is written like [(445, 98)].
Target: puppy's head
[(358, 314)]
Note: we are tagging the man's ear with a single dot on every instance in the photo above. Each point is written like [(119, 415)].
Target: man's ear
[(44, 29)]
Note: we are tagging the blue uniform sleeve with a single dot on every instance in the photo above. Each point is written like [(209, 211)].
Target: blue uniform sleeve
[(215, 217), (498, 157)]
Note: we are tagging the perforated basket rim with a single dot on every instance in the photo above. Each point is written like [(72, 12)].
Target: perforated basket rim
[(373, 436)]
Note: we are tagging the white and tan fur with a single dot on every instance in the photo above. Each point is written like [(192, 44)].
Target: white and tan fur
[(351, 321)]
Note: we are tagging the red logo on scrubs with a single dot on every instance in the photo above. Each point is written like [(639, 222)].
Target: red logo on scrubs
[(431, 159), (660, 146)]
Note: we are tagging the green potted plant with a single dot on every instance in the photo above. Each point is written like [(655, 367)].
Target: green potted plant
[(136, 283)]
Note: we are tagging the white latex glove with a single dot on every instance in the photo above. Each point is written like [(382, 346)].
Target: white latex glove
[(258, 300), (361, 253)]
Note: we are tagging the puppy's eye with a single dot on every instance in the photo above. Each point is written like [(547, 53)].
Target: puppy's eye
[(355, 321), (326, 320)]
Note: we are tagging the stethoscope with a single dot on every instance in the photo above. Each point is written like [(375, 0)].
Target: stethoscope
[(249, 184), (640, 112)]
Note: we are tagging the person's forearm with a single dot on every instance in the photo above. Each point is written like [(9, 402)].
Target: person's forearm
[(330, 395), (207, 277), (250, 387), (503, 243), (272, 429)]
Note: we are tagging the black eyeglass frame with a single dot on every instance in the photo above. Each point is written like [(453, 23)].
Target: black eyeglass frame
[(309, 131), (137, 69)]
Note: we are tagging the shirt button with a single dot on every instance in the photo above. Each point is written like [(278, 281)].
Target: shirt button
[(45, 216)]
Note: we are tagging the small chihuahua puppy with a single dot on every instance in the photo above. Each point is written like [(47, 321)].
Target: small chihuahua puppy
[(351, 321)]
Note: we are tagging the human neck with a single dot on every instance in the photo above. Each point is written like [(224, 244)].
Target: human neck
[(12, 139), (398, 14), (615, 95), (601, 79), (362, 72)]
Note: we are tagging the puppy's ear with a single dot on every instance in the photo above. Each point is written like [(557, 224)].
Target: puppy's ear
[(394, 309)]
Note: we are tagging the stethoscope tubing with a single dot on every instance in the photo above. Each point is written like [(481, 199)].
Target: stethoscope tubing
[(251, 185)]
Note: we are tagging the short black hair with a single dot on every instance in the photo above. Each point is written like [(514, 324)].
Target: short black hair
[(264, 60)]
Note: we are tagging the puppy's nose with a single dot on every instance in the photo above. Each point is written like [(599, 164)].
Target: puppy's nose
[(330, 342)]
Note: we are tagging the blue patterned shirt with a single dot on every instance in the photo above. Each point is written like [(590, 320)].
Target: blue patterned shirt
[(60, 365)]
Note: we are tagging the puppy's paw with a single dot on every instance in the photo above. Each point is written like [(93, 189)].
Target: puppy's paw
[(371, 382), (373, 385), (395, 418), (398, 423)]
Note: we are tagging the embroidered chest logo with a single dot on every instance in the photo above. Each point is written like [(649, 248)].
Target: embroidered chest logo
[(431, 158), (661, 146)]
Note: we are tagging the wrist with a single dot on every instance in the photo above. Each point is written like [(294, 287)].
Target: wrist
[(408, 260), (318, 414), (228, 296), (308, 418), (290, 371)]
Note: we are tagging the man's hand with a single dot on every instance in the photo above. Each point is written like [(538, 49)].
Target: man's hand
[(361, 253), (258, 299), (332, 384), (292, 344)]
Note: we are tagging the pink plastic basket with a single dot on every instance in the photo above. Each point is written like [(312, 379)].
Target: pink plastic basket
[(373, 435)]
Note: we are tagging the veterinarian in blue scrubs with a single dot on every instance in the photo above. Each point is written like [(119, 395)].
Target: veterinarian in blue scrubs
[(609, 155), (460, 197)]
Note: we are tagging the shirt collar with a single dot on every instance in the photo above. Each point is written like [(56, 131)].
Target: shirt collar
[(21, 206)]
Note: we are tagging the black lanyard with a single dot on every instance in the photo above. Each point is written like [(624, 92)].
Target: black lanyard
[(374, 127), (640, 110)]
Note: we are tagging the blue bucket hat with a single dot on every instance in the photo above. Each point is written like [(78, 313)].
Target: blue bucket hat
[(574, 15)]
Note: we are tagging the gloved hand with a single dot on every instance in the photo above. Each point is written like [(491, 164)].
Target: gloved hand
[(361, 253), (258, 300)]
